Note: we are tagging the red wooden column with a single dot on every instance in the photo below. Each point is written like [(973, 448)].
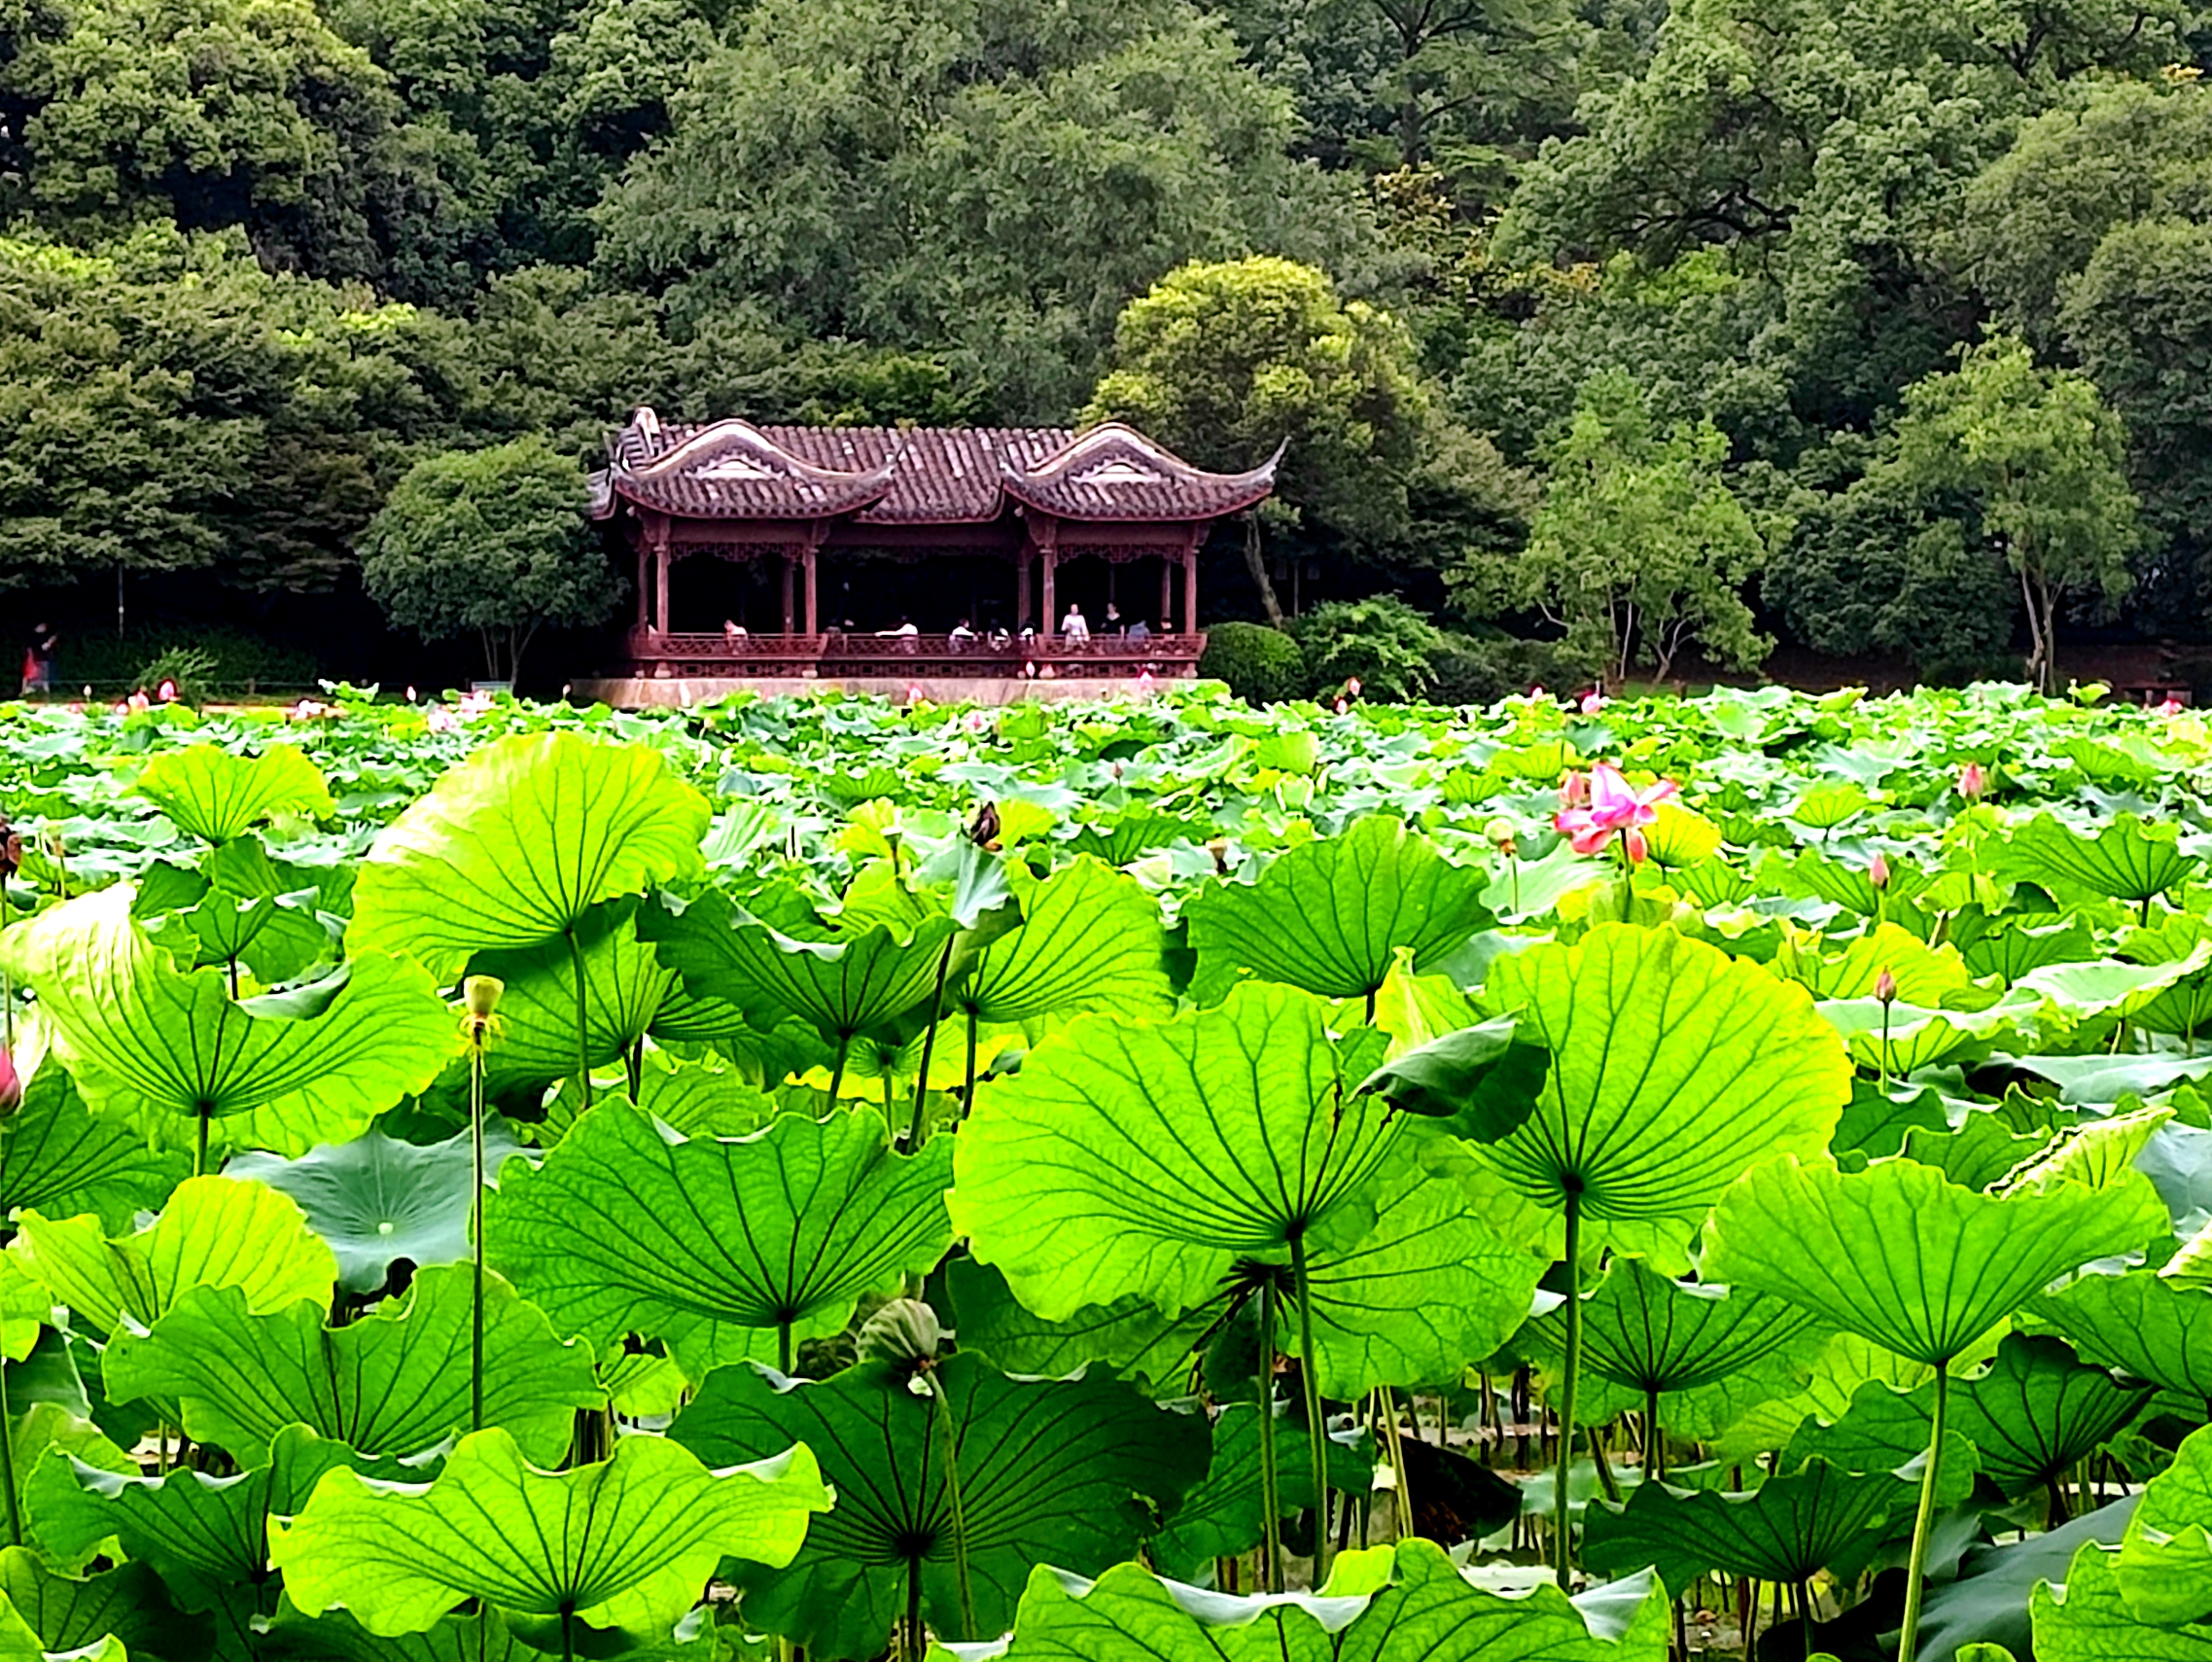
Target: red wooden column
[(660, 573), (1022, 562), (1051, 608), (1190, 593), (1166, 622), (813, 616), (791, 572), (645, 582)]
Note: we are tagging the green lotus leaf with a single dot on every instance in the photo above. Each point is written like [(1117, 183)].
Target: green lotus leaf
[(45, 1431), (1148, 1158), (1090, 939), (165, 1051), (127, 1604), (2087, 1619), (518, 843), (1649, 1335), (1135, 1338), (486, 1636), (1902, 1039), (376, 1200), (839, 987), (2129, 860), (275, 942), (2013, 943), (1987, 1605), (1065, 1471), (2151, 1328), (1883, 1430), (217, 794), (626, 1542), (1331, 915), (1429, 1613), (207, 1537), (624, 987), (19, 1641), (2124, 992), (1794, 1525), (2165, 1559), (1225, 1514), (1902, 1256), (390, 1385), (726, 1248), (215, 1231), (1925, 975), (1982, 1151), (1674, 1067), (59, 1158), (2036, 1411), (1483, 1081)]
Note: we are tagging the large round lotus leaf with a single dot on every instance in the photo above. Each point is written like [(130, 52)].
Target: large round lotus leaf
[(1674, 1067), (518, 843), (717, 1245), (2151, 1327), (1906, 1257), (1090, 939), (390, 1385), (1427, 1612), (2166, 1560), (376, 1200), (624, 987), (1331, 915), (1148, 1158), (2086, 1619), (61, 1158), (1065, 1471), (214, 1232), (626, 1542), (161, 1048), (215, 794), (1794, 1525)]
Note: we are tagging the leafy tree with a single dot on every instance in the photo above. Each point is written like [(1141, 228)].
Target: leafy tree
[(492, 541), (2045, 461), (991, 182), (1223, 363), (1386, 645), (1639, 546)]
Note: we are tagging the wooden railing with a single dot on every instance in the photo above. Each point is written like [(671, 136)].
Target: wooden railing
[(658, 656)]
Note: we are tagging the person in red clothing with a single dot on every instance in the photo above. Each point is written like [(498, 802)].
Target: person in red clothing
[(38, 661)]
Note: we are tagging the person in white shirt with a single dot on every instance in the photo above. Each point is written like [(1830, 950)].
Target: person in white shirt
[(1075, 627), (961, 636)]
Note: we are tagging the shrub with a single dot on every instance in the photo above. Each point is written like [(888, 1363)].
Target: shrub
[(191, 670), (239, 661), (1482, 669), (1260, 664), (1389, 646)]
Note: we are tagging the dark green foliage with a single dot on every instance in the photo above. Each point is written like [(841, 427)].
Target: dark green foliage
[(1483, 668), (1261, 665), (1384, 644)]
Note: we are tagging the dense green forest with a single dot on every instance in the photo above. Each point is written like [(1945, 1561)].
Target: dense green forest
[(1869, 326)]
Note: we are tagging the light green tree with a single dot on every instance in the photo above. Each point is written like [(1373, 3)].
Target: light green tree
[(1639, 546), (492, 542), (2045, 460)]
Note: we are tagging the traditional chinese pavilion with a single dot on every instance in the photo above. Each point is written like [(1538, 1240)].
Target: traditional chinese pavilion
[(802, 505)]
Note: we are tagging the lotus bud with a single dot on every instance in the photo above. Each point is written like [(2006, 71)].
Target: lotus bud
[(1885, 987), (1592, 702), (905, 1329), (11, 1085), (1972, 782), (481, 993), (1879, 873), (167, 692), (11, 849)]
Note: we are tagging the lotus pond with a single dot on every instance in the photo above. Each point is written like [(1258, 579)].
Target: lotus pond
[(1153, 1181)]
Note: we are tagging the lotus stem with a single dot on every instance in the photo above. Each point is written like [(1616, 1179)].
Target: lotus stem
[(837, 1068), (784, 1346), (1401, 1492), (634, 1065), (1270, 1499), (913, 1638), (1317, 1431), (1654, 1456), (967, 1094), (918, 1127), (1909, 1640), (7, 1463), (1603, 1464), (941, 1409), (477, 1227), (199, 1144), (1563, 1563), (1805, 1613), (582, 1038)]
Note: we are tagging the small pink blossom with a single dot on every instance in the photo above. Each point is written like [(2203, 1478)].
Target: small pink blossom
[(1574, 790), (2172, 707), (11, 1084), (1615, 809), (473, 704), (1342, 707), (308, 710), (914, 693), (1885, 987), (1879, 873), (138, 701), (1145, 684), (1535, 691), (440, 720), (976, 721), (1972, 782), (1351, 687), (167, 692), (1592, 702)]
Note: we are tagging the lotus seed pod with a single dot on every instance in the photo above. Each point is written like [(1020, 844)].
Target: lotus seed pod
[(482, 995), (1499, 832)]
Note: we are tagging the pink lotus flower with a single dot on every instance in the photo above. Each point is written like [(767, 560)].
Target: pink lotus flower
[(11, 1084), (1592, 702), (138, 701), (167, 692), (2172, 707), (1879, 873), (1972, 782), (1536, 692), (1351, 687), (1574, 790), (1342, 707), (1145, 684), (473, 704), (976, 721), (440, 720), (1615, 809), (307, 709)]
